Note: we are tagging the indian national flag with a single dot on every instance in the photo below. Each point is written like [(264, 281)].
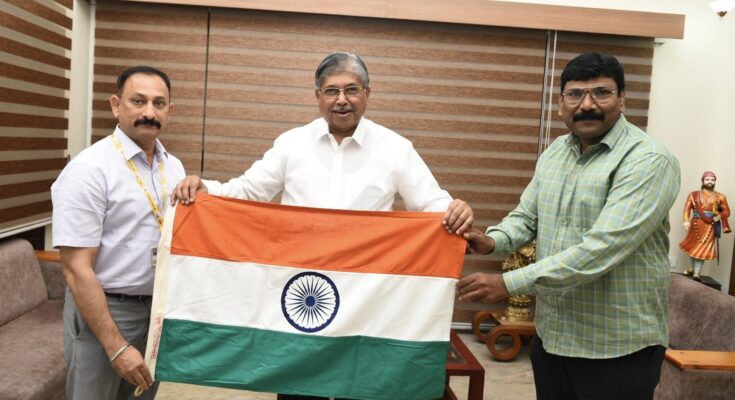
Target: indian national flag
[(295, 300)]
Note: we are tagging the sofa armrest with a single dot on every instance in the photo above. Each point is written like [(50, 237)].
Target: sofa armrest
[(48, 255), (50, 262), (708, 360)]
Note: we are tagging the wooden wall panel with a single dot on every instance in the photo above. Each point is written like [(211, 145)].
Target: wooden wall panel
[(35, 51), (508, 14), (170, 38)]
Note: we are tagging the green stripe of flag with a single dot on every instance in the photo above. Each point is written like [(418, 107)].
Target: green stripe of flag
[(355, 367)]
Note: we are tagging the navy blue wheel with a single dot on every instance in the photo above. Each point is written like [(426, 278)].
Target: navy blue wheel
[(310, 301)]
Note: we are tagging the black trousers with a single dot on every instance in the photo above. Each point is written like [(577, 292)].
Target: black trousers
[(630, 377)]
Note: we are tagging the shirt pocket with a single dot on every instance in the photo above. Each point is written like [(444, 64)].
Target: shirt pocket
[(591, 194), (371, 192)]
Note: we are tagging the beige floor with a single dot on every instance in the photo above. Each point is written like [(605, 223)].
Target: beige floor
[(510, 380)]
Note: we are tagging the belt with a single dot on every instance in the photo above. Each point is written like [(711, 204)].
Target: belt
[(129, 297), (696, 214)]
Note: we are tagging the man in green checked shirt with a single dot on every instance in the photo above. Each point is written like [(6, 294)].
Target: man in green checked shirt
[(598, 206)]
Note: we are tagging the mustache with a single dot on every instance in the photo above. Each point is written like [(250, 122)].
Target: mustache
[(146, 121), (589, 115)]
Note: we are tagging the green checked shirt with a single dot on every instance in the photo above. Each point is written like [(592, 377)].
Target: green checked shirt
[(601, 223)]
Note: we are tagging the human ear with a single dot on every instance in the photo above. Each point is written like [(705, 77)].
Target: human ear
[(621, 101), (115, 105)]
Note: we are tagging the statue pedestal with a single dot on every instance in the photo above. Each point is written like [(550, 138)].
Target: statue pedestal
[(514, 329), (708, 281)]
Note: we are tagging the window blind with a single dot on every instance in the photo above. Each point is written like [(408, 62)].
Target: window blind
[(35, 47)]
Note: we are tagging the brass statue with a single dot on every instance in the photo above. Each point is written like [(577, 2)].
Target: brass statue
[(519, 306)]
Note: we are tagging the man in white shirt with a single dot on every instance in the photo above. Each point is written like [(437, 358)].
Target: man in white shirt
[(108, 210), (340, 161)]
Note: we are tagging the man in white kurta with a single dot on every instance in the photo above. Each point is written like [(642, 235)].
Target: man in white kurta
[(341, 160)]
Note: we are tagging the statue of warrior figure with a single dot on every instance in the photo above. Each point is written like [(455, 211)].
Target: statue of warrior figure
[(705, 219)]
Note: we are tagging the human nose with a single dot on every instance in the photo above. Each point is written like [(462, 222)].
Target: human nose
[(587, 101), (149, 110), (341, 97)]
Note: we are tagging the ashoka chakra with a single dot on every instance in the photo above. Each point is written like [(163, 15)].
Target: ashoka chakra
[(310, 301)]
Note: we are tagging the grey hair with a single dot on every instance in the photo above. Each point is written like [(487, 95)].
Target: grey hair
[(338, 62)]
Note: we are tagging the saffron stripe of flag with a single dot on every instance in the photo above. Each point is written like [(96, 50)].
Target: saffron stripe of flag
[(406, 243), (304, 301)]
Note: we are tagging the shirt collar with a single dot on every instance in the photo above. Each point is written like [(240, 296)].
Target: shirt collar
[(610, 139), (358, 136), (131, 149), (616, 132)]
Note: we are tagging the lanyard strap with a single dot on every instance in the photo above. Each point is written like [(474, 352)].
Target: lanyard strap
[(154, 206)]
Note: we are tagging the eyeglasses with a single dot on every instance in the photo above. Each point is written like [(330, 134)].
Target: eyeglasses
[(600, 95), (349, 91)]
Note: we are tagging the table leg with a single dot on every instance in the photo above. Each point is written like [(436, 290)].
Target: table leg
[(507, 354), (449, 394), (479, 318), (477, 383)]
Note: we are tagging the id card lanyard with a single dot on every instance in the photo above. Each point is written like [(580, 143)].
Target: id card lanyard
[(154, 206)]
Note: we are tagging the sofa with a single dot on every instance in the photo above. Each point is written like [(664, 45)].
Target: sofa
[(31, 325), (700, 361)]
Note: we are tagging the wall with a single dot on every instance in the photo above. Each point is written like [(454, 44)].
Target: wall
[(692, 97), (82, 61)]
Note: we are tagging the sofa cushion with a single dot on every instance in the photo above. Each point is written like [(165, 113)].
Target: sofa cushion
[(700, 318), (22, 287), (54, 277), (32, 354)]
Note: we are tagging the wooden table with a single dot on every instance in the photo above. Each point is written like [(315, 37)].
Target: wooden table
[(514, 329), (461, 362)]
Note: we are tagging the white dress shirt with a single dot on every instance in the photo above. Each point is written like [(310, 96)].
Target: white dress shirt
[(364, 172), (98, 203)]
